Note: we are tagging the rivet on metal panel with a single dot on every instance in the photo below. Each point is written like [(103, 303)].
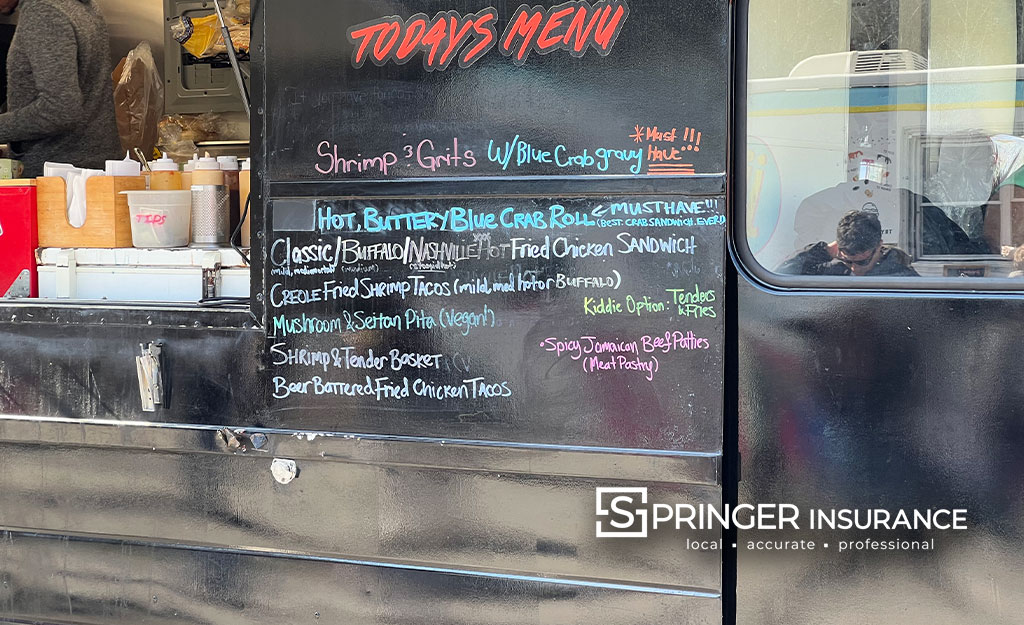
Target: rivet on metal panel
[(284, 470)]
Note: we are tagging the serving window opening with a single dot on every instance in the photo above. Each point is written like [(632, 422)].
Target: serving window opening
[(163, 218)]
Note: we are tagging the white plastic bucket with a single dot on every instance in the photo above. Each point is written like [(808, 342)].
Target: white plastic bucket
[(160, 218)]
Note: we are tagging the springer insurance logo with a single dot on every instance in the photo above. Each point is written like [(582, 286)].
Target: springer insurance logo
[(626, 512), (622, 512)]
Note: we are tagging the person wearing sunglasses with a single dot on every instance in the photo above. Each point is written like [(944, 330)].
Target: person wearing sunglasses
[(857, 251)]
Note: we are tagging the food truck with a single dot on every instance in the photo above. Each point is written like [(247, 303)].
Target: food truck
[(509, 341)]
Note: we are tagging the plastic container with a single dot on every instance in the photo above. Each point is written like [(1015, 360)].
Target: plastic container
[(18, 239), (207, 172), (127, 167), (160, 218), (186, 172), (165, 176)]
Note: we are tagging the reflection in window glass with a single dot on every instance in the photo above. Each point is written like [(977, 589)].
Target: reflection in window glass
[(886, 137)]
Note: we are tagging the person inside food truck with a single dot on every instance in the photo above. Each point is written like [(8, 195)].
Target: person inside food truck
[(857, 251), (60, 104)]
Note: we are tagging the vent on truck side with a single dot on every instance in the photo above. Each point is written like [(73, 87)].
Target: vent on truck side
[(889, 61), (872, 61)]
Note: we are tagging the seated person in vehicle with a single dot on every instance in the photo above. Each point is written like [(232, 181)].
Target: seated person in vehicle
[(857, 251)]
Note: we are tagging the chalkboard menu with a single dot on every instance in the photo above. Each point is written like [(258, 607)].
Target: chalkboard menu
[(370, 90), (605, 311), (449, 252)]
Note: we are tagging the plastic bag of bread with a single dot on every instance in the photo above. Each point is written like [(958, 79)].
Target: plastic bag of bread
[(138, 99)]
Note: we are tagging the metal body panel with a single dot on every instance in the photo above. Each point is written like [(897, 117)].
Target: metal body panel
[(112, 515), (883, 401), (123, 582), (524, 523), (843, 399), (80, 362)]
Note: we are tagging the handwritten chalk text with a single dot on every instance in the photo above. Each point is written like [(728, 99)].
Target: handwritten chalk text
[(385, 388), (350, 358)]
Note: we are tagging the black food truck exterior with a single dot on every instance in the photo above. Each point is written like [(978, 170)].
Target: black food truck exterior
[(516, 351)]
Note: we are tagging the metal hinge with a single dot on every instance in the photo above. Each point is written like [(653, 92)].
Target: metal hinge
[(150, 370), (21, 287)]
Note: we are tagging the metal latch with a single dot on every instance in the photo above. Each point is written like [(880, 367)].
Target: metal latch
[(151, 385), (211, 274)]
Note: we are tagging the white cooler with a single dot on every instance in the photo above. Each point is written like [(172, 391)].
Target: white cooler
[(182, 275)]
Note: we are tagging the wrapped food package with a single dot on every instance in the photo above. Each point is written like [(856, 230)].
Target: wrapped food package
[(201, 36), (242, 9), (179, 134)]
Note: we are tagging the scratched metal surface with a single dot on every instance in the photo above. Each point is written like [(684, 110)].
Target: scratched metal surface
[(865, 401), (516, 523), (56, 581)]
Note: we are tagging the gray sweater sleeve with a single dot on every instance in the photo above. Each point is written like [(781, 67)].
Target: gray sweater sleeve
[(52, 50)]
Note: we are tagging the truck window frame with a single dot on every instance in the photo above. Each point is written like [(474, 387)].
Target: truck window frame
[(739, 245)]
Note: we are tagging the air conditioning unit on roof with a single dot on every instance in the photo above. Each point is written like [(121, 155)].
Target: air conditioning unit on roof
[(857, 62)]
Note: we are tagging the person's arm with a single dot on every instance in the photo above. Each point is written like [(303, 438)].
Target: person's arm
[(49, 42), (813, 260)]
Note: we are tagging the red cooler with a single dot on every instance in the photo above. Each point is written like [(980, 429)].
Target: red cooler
[(18, 237)]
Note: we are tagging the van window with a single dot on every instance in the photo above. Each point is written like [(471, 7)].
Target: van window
[(886, 138)]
